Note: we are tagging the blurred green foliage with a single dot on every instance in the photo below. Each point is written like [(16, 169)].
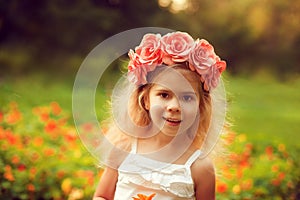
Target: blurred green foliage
[(43, 158), (51, 35)]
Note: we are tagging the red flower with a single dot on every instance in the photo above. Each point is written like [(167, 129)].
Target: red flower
[(222, 187), (21, 167), (1, 117), (70, 136), (275, 182), (50, 126)]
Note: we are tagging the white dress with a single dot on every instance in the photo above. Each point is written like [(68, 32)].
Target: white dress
[(141, 175)]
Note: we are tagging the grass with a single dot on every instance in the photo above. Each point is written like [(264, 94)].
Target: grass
[(40, 89), (266, 110)]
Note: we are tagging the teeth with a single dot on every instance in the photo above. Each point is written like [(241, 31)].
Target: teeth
[(173, 120)]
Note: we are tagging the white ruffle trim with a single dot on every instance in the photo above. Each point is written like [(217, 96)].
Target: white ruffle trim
[(157, 175)]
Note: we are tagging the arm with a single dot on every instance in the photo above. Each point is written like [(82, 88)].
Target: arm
[(107, 185), (203, 174)]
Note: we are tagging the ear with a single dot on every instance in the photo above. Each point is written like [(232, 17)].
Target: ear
[(144, 102), (147, 102)]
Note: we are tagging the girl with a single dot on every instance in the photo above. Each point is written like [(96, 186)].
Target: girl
[(165, 122)]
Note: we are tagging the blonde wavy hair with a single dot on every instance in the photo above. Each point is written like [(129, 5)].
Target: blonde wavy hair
[(140, 116)]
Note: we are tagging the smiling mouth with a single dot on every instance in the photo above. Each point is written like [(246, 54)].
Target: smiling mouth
[(172, 121)]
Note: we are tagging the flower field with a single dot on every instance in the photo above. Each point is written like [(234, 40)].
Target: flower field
[(249, 174), (42, 158)]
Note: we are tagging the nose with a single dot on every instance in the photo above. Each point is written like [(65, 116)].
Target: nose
[(173, 105)]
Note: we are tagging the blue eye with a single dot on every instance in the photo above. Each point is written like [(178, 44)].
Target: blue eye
[(187, 98)]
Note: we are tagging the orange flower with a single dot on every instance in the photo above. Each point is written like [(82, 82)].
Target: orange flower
[(38, 141), (15, 159), (56, 109), (230, 137), (269, 151), (30, 187), (42, 112), (143, 197), (60, 174), (49, 152), (247, 184), (44, 117), (70, 136), (274, 168), (8, 173), (10, 137), (32, 173), (50, 126), (14, 114), (221, 187), (281, 175)]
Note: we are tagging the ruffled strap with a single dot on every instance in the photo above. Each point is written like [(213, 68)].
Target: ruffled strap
[(134, 146), (192, 159), (188, 163)]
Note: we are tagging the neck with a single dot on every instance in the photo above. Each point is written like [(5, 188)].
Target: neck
[(165, 147)]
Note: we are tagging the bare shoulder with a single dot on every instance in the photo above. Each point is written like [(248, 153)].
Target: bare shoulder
[(203, 166), (203, 174)]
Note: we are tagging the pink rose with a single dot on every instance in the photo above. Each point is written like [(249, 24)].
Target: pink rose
[(137, 71), (138, 76), (202, 57), (145, 58), (212, 76), (149, 51), (176, 47)]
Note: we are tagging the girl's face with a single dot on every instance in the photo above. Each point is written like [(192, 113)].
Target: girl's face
[(173, 102)]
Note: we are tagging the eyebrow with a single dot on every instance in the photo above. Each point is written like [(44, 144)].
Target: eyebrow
[(190, 93), (182, 93)]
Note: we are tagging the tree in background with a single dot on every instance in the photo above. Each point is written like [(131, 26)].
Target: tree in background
[(248, 34)]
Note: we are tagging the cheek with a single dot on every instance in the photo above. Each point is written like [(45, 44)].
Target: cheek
[(156, 111), (190, 112)]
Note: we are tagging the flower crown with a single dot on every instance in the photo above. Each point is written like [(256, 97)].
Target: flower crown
[(172, 48)]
